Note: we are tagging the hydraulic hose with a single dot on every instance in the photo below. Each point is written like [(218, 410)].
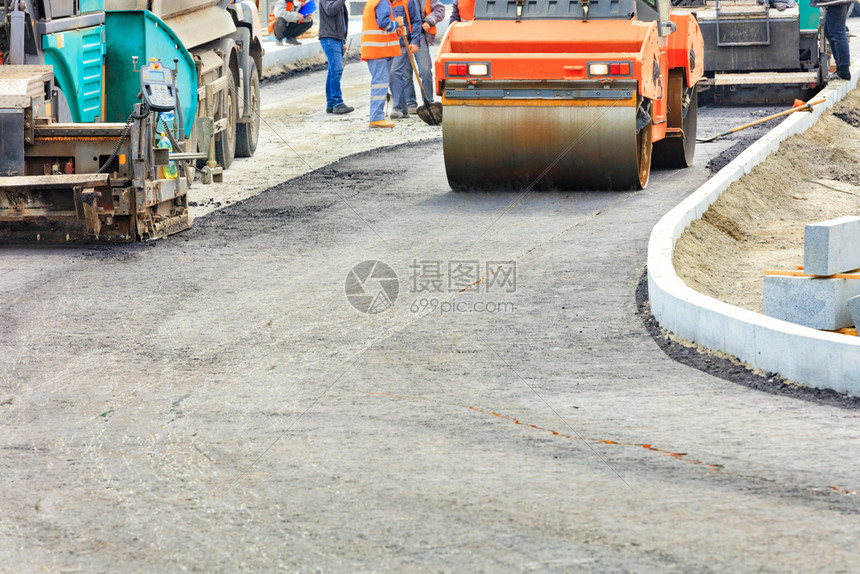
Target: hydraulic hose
[(144, 112)]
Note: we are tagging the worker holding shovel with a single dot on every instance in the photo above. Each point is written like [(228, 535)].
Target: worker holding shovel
[(379, 43), (410, 43), (434, 12)]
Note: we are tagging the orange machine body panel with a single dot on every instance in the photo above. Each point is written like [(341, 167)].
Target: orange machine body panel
[(687, 47), (551, 49), (546, 50)]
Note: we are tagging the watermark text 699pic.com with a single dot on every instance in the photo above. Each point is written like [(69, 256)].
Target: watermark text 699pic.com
[(446, 306), (372, 286)]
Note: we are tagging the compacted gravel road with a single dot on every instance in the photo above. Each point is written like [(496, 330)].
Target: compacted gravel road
[(252, 395)]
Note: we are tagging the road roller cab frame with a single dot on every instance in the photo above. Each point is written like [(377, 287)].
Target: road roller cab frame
[(568, 95)]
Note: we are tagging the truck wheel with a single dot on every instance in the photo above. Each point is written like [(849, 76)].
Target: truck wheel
[(248, 133), (679, 151), (225, 142)]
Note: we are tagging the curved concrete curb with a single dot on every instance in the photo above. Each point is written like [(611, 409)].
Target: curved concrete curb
[(811, 357)]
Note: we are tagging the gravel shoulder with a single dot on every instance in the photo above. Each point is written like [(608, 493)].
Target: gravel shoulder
[(297, 136)]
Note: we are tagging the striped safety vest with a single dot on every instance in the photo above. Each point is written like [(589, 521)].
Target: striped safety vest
[(375, 42)]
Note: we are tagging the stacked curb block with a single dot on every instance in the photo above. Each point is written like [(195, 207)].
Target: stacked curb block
[(810, 357)]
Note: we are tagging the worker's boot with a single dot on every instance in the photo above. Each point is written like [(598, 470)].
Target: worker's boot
[(382, 124)]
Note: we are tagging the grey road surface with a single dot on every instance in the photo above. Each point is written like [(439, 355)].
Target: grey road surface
[(214, 402)]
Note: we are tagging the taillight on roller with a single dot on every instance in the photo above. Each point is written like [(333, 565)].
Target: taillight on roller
[(598, 69), (478, 69), (609, 69), (468, 69), (619, 69)]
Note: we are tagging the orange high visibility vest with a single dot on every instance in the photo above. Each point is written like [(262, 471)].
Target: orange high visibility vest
[(466, 8), (427, 11), (407, 21), (375, 42)]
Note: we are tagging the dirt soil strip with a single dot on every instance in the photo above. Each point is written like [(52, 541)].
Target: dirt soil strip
[(758, 222)]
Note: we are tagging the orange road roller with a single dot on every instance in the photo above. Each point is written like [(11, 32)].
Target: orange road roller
[(568, 94)]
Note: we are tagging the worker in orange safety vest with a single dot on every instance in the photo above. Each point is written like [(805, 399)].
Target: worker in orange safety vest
[(463, 11), (434, 12), (379, 44), (413, 16), (289, 23)]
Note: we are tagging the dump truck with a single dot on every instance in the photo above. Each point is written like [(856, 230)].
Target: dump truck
[(108, 109), (757, 54), (568, 95)]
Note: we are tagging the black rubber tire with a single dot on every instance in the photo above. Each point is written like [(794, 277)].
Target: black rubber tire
[(225, 142), (247, 134), (646, 152), (679, 152)]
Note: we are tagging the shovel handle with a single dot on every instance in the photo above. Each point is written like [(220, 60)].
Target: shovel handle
[(806, 106), (417, 75)]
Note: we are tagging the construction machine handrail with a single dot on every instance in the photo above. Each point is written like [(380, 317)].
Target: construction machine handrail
[(552, 10), (19, 182), (722, 44)]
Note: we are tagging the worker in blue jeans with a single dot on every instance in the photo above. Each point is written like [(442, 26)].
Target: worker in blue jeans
[(410, 11), (835, 22), (334, 19), (434, 12), (380, 42)]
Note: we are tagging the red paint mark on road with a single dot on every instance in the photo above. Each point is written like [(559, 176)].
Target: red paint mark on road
[(682, 456), (676, 455)]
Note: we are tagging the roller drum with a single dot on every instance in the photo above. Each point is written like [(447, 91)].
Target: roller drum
[(546, 147)]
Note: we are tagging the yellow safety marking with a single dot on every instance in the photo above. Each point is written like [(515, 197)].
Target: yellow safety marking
[(855, 274), (845, 331)]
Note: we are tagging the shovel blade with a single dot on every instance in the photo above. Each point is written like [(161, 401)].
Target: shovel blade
[(431, 113)]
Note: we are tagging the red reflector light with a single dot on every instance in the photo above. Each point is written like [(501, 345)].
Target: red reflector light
[(619, 69), (452, 69), (462, 70)]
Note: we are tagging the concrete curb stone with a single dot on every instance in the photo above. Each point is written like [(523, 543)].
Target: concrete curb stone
[(807, 356), (832, 246)]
